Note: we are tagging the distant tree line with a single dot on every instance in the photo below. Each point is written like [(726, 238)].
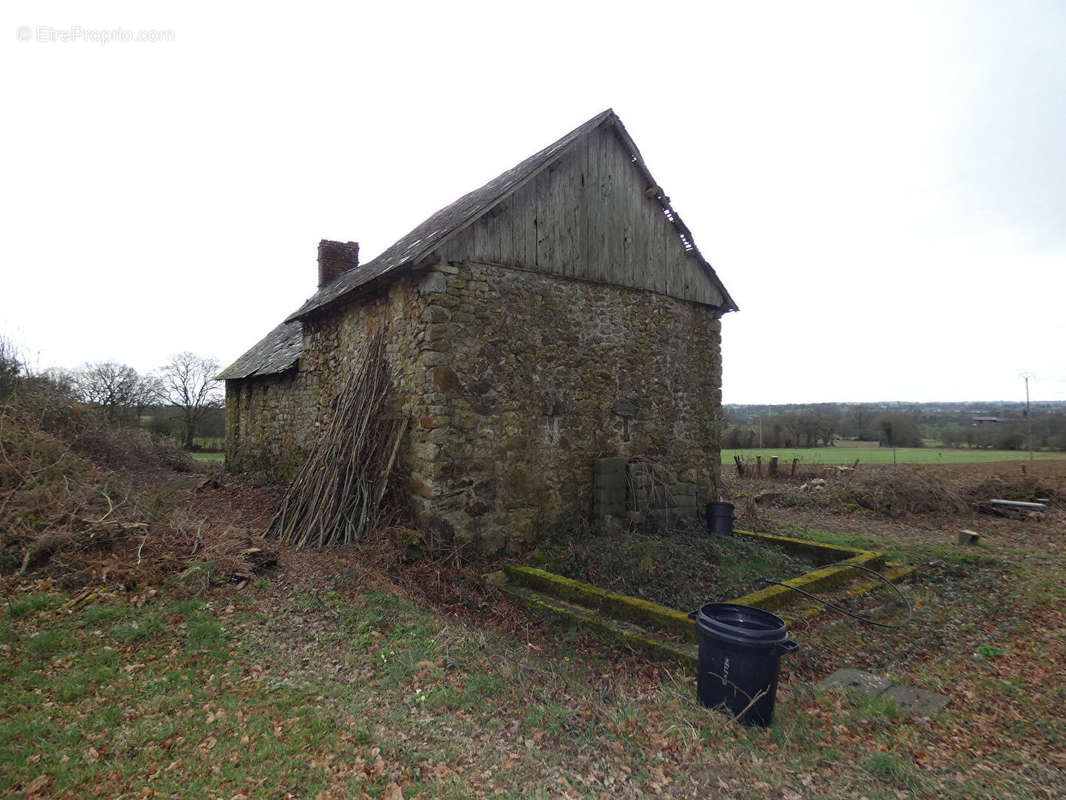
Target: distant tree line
[(181, 400), (1049, 433), (891, 425)]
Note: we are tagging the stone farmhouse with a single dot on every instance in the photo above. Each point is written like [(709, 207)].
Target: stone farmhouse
[(553, 339)]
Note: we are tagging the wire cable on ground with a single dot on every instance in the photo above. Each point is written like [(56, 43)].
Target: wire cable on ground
[(867, 620)]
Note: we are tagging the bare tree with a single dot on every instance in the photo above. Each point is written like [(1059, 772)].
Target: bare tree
[(11, 367), (189, 384), (859, 421), (118, 390)]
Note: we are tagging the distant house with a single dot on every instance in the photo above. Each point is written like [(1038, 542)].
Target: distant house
[(559, 315)]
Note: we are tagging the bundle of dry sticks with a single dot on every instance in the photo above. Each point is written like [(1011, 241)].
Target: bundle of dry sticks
[(340, 493)]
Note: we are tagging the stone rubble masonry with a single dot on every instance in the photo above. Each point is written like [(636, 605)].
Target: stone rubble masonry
[(515, 384)]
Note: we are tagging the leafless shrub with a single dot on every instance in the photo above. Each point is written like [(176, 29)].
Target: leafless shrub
[(888, 492), (72, 506)]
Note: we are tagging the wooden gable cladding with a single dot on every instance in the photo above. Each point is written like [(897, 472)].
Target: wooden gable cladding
[(590, 215)]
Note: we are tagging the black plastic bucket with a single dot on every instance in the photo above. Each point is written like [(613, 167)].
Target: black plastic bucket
[(739, 661), (720, 518)]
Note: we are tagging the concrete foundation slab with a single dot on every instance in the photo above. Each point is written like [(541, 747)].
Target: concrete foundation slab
[(914, 702), (855, 681)]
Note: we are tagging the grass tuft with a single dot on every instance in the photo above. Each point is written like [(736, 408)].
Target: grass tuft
[(19, 607)]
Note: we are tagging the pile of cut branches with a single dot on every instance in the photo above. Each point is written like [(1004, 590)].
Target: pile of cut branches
[(88, 503), (339, 495)]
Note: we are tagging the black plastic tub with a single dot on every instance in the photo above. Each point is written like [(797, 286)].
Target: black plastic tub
[(720, 518), (739, 660)]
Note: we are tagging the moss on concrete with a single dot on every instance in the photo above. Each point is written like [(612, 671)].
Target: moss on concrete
[(777, 596), (805, 547), (628, 608), (611, 631), (586, 605)]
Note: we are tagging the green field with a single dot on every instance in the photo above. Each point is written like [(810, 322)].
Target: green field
[(845, 452), (209, 457)]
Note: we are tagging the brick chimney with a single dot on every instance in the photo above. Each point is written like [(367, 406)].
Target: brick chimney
[(335, 258)]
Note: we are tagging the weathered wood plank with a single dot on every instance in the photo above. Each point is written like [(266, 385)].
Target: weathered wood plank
[(490, 231), (613, 214), (635, 222), (561, 194), (588, 217), (524, 225), (545, 221), (657, 242), (574, 203)]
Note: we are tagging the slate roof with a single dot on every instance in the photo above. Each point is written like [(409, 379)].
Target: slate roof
[(276, 352), (280, 349)]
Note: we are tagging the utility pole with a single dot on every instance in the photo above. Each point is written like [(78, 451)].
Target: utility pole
[(1029, 418)]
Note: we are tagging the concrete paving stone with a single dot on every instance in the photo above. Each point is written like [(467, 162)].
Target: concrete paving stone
[(914, 702), (855, 681)]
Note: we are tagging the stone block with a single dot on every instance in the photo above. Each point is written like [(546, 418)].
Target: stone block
[(609, 471), (608, 496), (445, 380), (609, 481), (914, 702), (420, 487), (466, 421), (439, 330), (433, 283), (431, 358), (855, 681), (436, 313), (969, 537)]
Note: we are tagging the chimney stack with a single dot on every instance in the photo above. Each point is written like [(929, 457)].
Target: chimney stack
[(335, 258)]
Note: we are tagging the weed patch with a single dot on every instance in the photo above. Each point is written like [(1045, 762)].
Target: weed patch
[(19, 607), (681, 568)]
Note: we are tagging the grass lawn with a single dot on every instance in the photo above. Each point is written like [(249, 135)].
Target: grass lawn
[(216, 458), (331, 689), (845, 452)]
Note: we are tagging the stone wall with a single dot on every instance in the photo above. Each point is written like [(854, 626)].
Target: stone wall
[(515, 384), (538, 377), (273, 420), (265, 424)]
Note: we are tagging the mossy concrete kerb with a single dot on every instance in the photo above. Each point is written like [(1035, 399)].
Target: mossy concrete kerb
[(592, 608), (775, 597), (631, 609)]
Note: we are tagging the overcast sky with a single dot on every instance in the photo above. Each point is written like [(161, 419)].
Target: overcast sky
[(881, 186)]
